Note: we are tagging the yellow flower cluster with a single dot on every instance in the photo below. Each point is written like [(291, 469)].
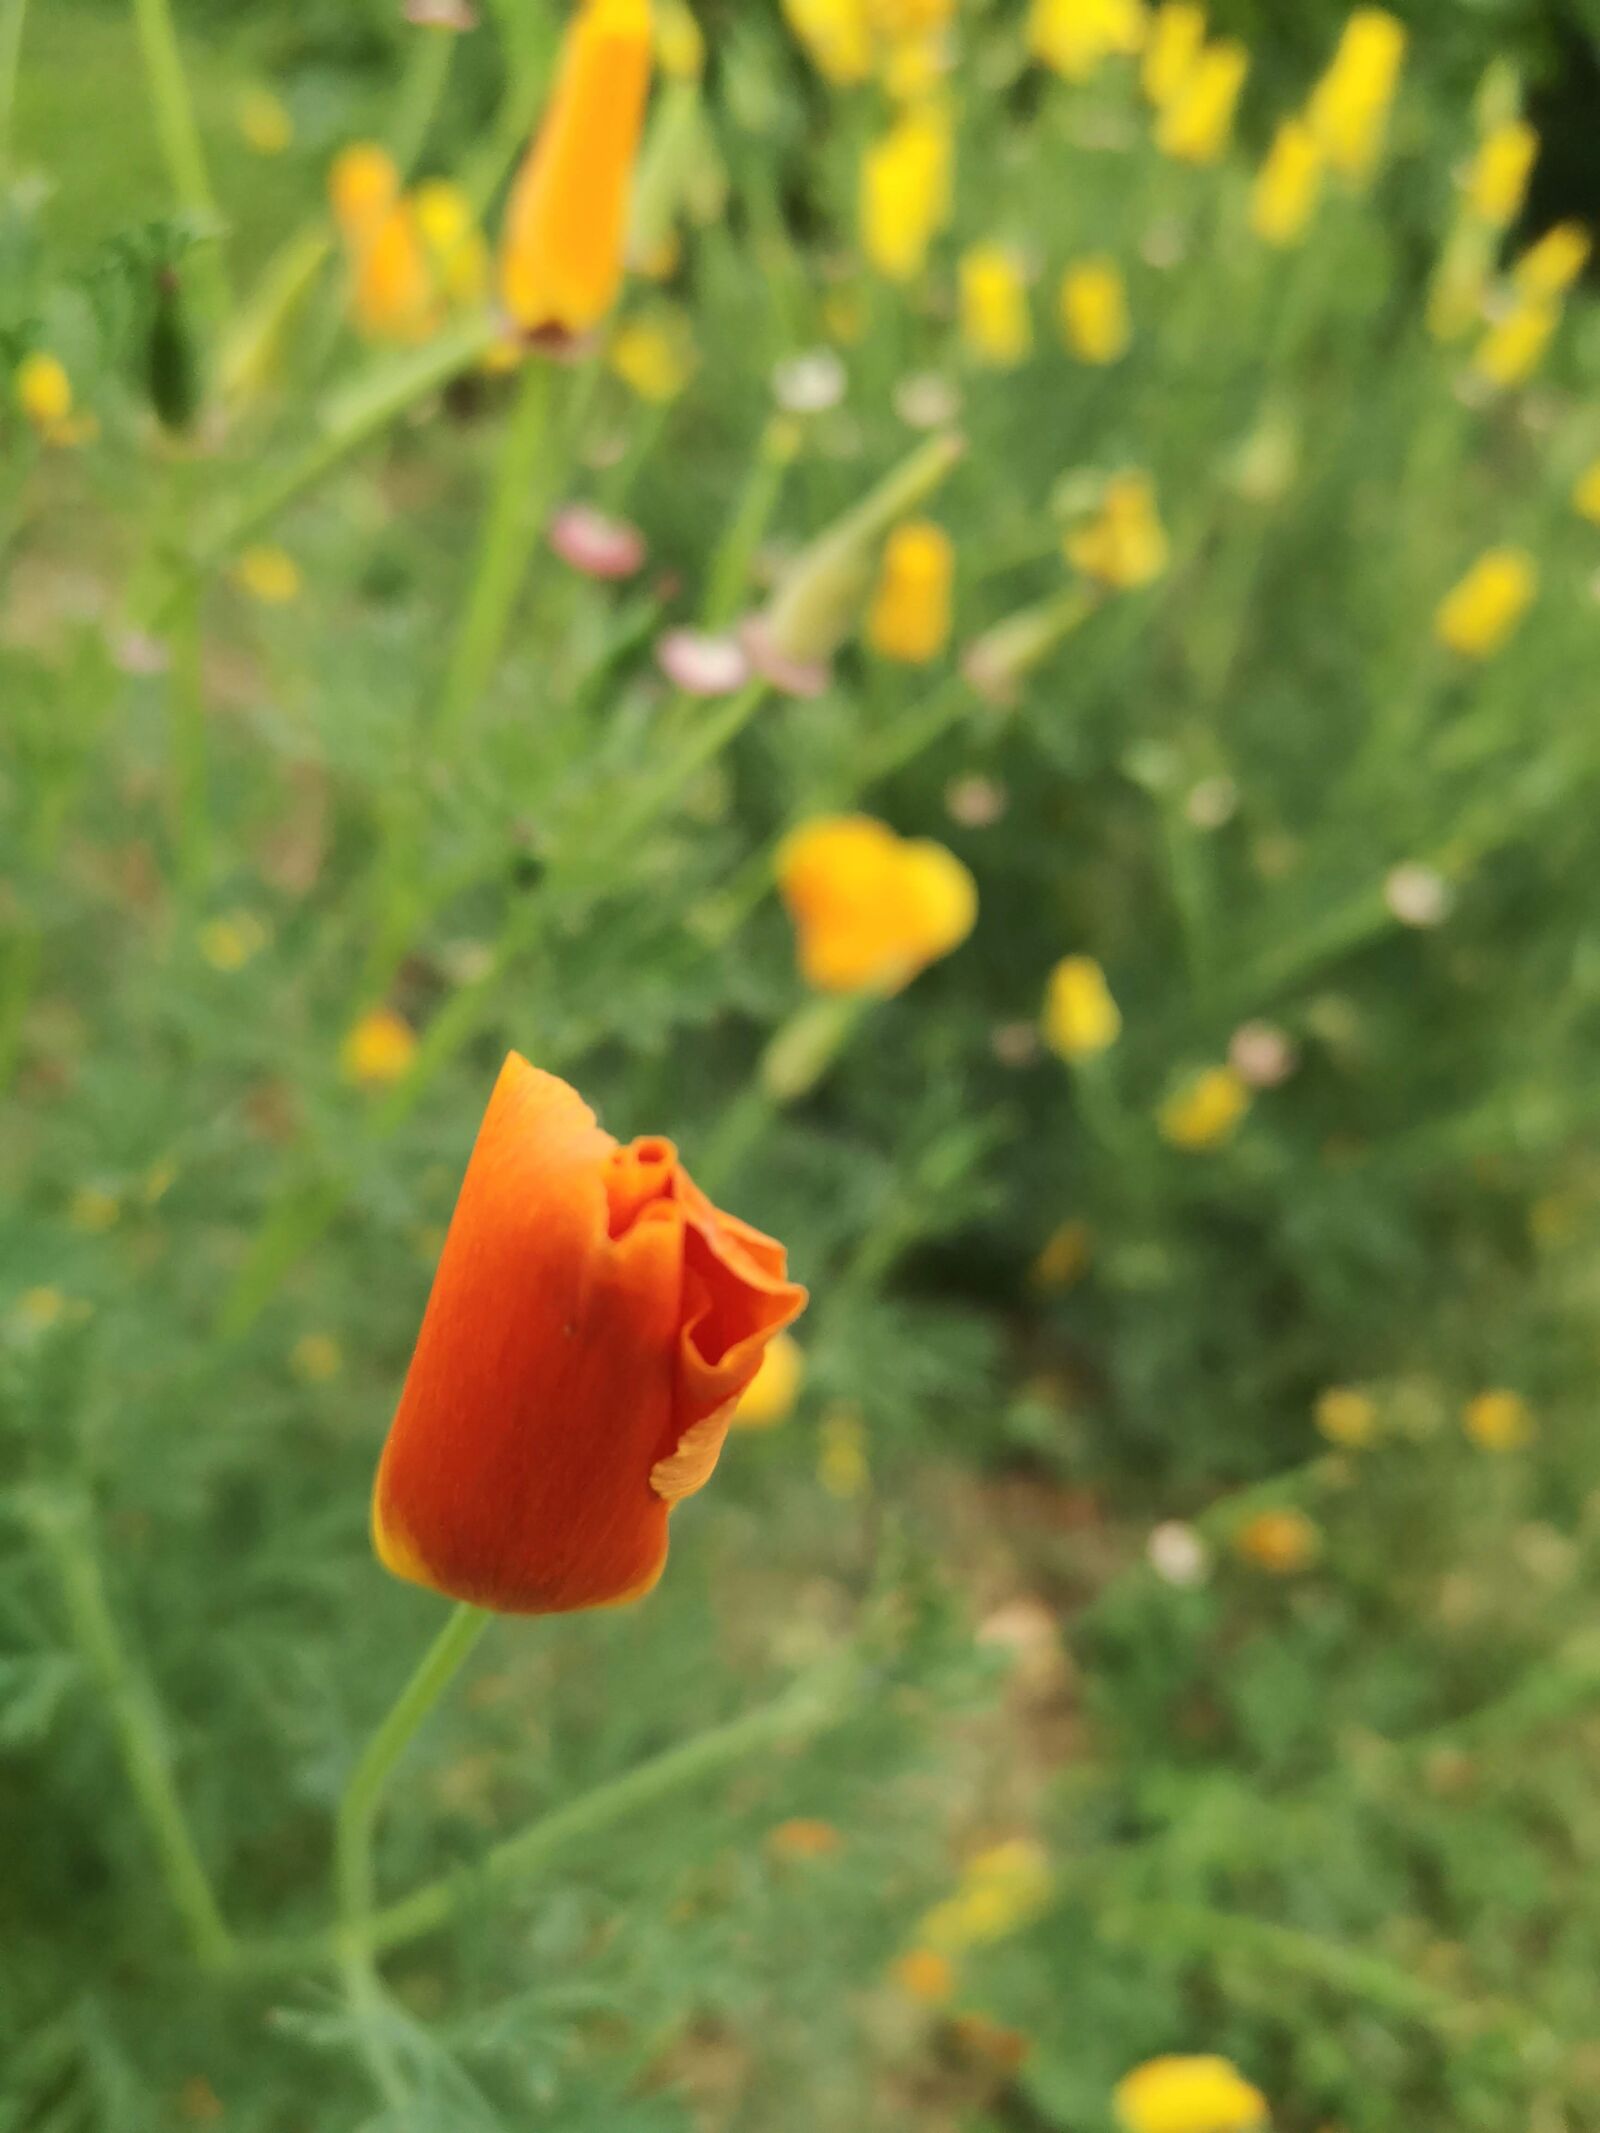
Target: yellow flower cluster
[(1124, 545), (1002, 1890), (849, 41), (415, 257), (1342, 129)]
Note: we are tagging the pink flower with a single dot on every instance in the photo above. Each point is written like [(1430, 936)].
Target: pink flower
[(598, 546)]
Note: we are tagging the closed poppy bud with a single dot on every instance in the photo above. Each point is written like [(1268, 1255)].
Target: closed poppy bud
[(567, 218), (394, 297), (1195, 124), (1479, 614), (1284, 197), (1349, 107), (593, 1322), (910, 615), (1171, 47), (1094, 310), (994, 306), (871, 909), (1497, 183), (174, 362), (363, 185)]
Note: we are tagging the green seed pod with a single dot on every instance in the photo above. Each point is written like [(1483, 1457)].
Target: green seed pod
[(174, 363)]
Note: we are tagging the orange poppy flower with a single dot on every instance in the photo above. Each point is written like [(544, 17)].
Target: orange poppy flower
[(593, 1322), (566, 221)]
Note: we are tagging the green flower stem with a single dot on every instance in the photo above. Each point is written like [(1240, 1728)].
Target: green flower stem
[(421, 89), (63, 1529), (13, 13), (179, 137), (518, 503), (358, 1810), (730, 566)]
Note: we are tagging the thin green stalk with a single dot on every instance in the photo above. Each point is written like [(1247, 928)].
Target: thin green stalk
[(13, 14), (417, 99), (517, 506), (136, 1720), (179, 137), (730, 566)]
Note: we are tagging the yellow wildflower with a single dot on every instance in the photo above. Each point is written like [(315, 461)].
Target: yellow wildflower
[(1586, 493), (1280, 1542), (1064, 1258), (1125, 544), (680, 42), (1497, 182), (924, 1975), (1182, 2094), (270, 575), (393, 296), (769, 1397), (1284, 197), (1094, 310), (43, 392), (842, 1454), (363, 186), (837, 37), (1206, 1110), (264, 122), (655, 355), (1479, 614), (229, 942), (1513, 348), (378, 1049), (871, 909), (1073, 36), (1347, 1417), (909, 619), (458, 253), (1349, 107), (1499, 1421), (1002, 1889), (1549, 267), (93, 1211), (1081, 1019), (1172, 45), (1195, 123), (316, 1358), (905, 192), (995, 321)]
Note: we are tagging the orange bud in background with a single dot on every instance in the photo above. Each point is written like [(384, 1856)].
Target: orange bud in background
[(593, 1322), (567, 219)]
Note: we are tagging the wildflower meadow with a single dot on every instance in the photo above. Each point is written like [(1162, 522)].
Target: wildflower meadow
[(800, 1042)]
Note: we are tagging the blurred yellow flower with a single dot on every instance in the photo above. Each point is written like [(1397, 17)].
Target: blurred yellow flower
[(1513, 348), (264, 122), (1479, 614), (769, 1397), (1280, 1542), (1499, 1421), (837, 36), (316, 1358), (1064, 1257), (40, 1309), (1497, 182), (1074, 36), (995, 321), (270, 575), (1081, 1019), (842, 1454), (1288, 185), (910, 18), (680, 42), (905, 192), (229, 942), (871, 909), (1002, 1889), (393, 297), (1549, 267), (458, 253), (1206, 1110), (93, 1211), (1586, 493), (43, 393), (1125, 544), (1349, 107), (909, 619), (363, 185), (655, 355), (804, 1838), (1347, 1417), (1184, 2094), (1172, 45), (925, 1976), (1197, 119), (378, 1049), (1094, 309)]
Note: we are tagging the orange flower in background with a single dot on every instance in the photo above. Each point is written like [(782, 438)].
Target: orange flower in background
[(871, 909), (593, 1322), (567, 219)]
